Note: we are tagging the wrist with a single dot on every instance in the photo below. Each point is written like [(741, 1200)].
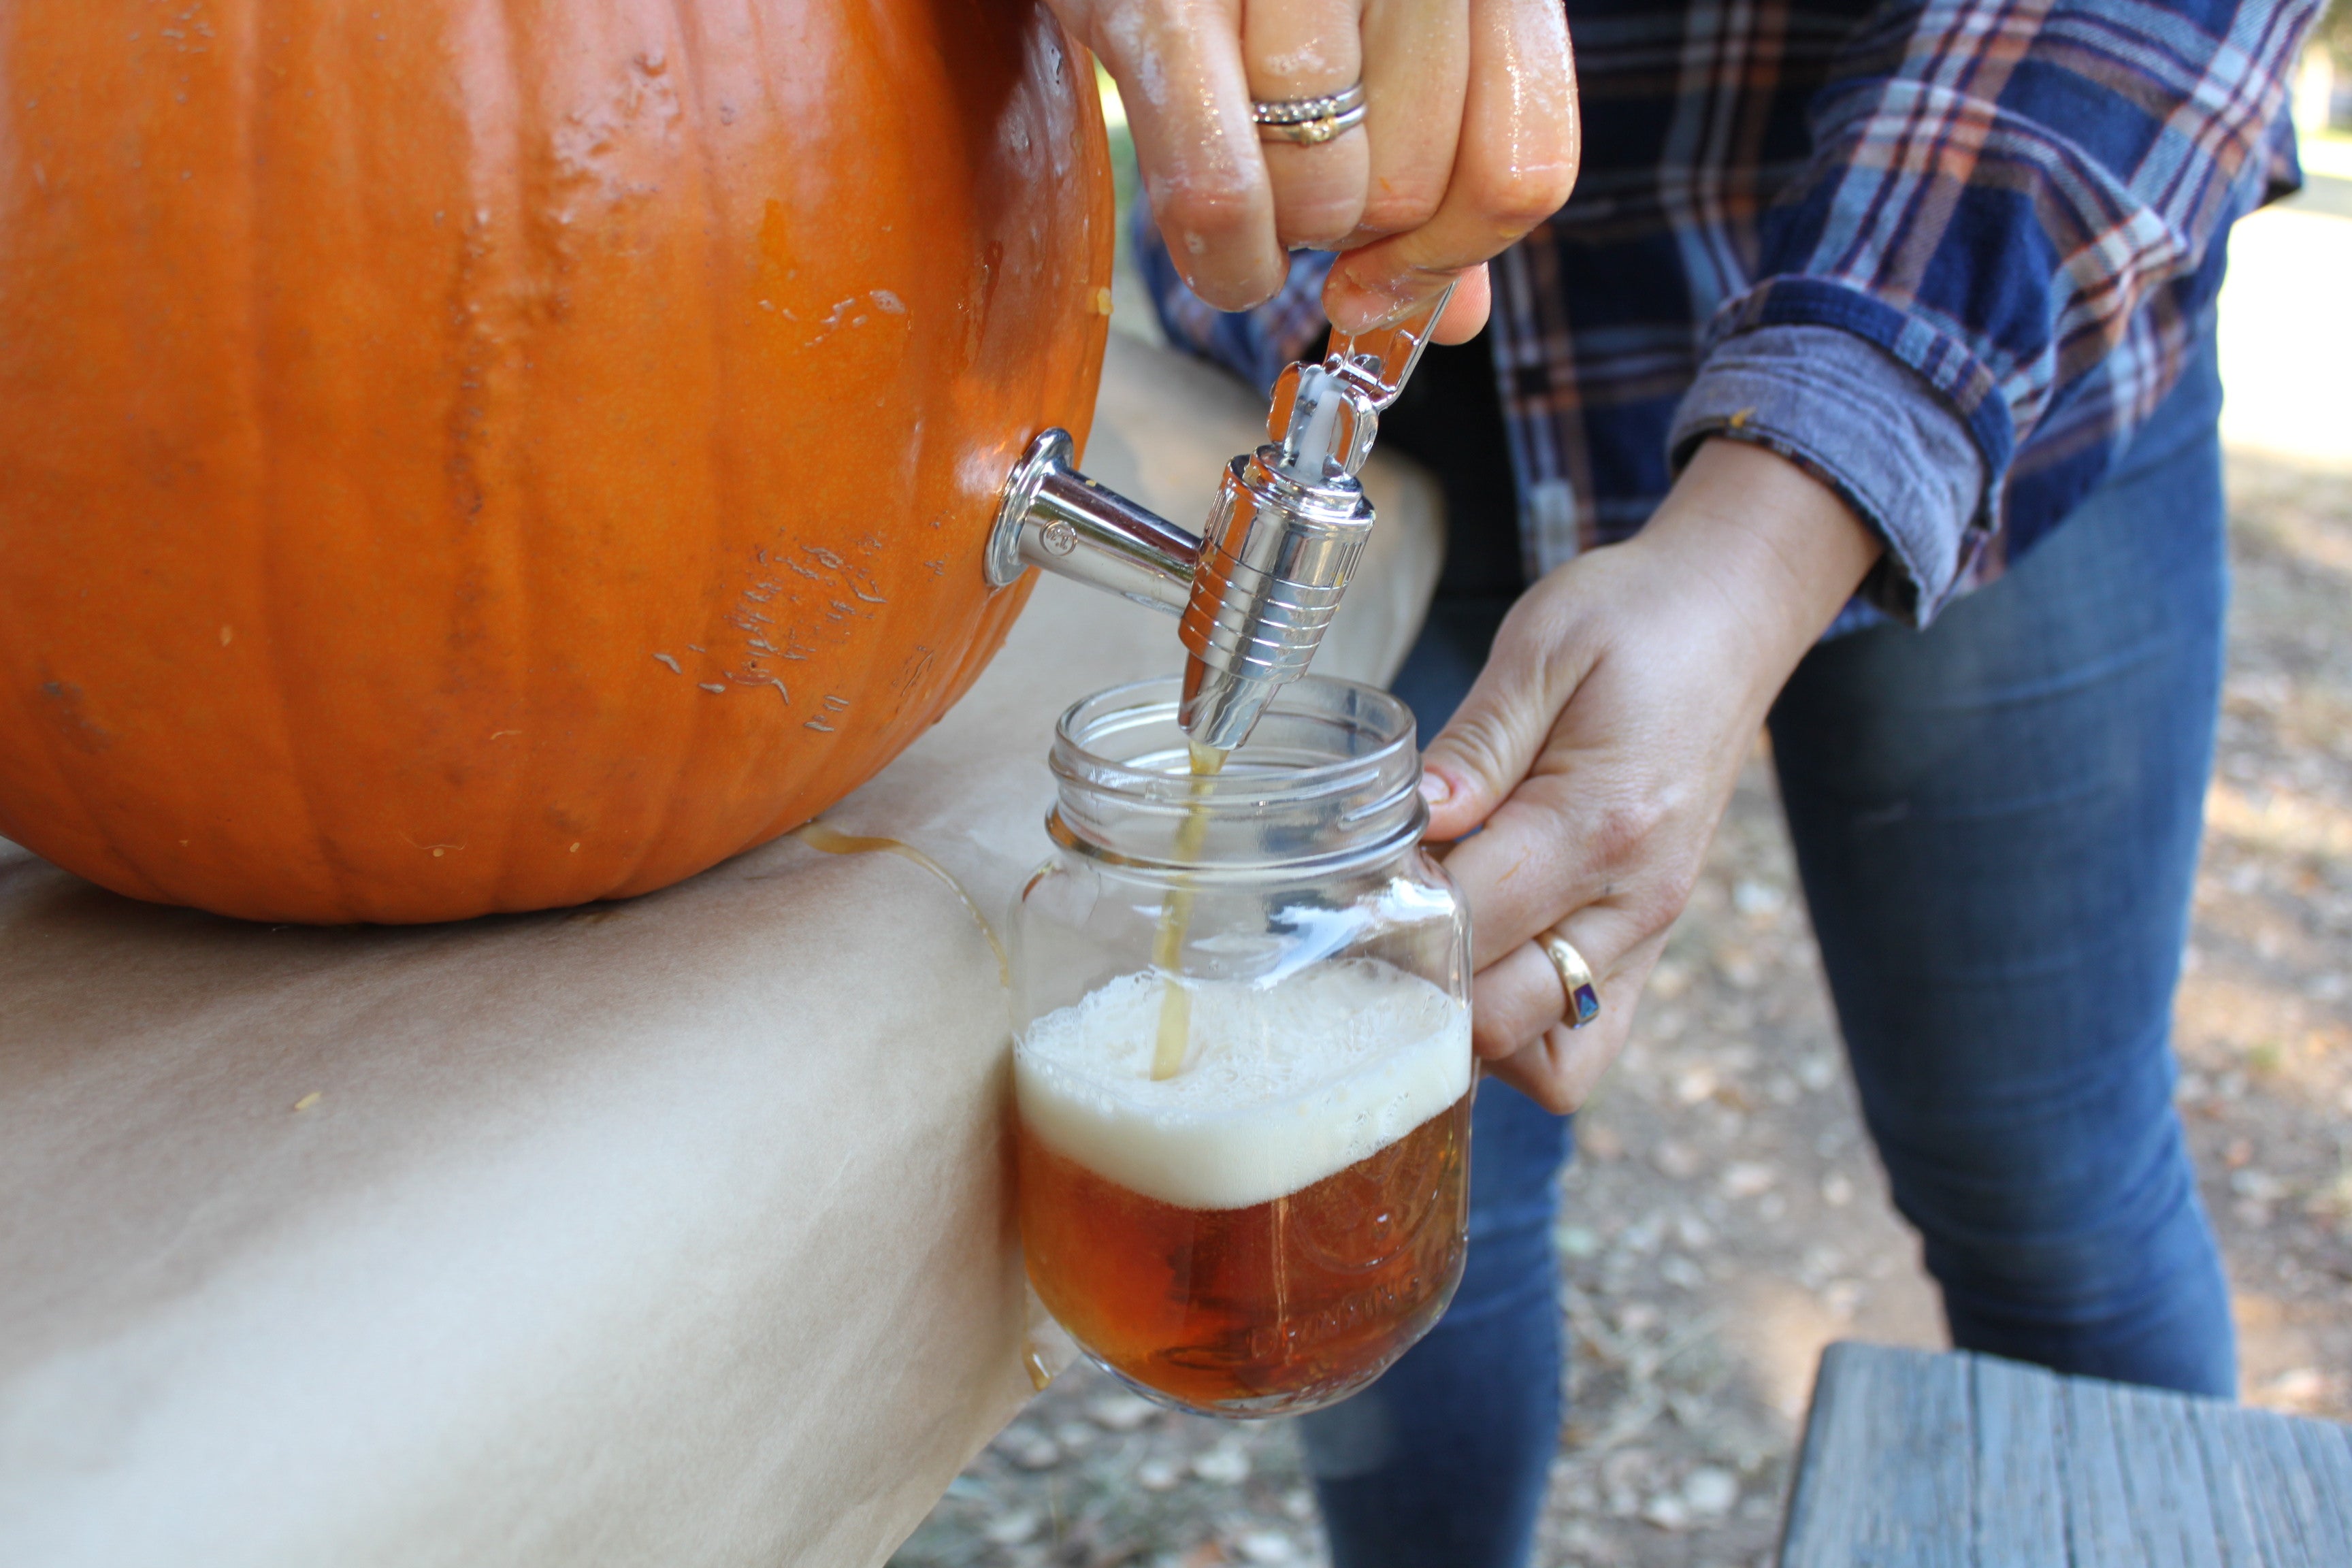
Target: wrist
[(1780, 550)]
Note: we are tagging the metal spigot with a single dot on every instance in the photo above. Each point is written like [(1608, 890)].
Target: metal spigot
[(1258, 587)]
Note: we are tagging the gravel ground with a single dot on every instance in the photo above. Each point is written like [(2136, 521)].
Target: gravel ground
[(1724, 1218)]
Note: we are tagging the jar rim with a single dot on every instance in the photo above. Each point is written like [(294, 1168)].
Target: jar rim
[(1156, 700), (1329, 775)]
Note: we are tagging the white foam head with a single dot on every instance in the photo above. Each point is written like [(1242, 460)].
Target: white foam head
[(1283, 1085)]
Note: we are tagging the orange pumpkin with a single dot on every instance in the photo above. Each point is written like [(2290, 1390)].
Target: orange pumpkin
[(461, 456)]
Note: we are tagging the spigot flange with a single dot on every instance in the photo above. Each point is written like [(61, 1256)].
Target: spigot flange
[(1054, 517)]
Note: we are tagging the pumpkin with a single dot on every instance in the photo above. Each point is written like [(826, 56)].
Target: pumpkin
[(461, 456)]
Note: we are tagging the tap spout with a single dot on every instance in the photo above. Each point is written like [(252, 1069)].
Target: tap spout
[(1054, 517), (1276, 556), (1257, 588), (1289, 524)]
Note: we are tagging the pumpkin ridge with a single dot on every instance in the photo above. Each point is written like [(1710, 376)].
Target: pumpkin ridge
[(637, 820), (692, 738), (261, 521), (539, 277), (716, 448), (477, 298), (126, 870)]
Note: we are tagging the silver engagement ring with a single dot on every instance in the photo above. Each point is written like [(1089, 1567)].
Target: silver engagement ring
[(1310, 122)]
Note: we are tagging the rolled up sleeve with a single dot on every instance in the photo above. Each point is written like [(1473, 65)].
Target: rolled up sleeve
[(1868, 426), (2013, 212)]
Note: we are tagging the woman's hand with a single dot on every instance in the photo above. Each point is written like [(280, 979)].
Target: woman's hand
[(1469, 140), (1602, 742)]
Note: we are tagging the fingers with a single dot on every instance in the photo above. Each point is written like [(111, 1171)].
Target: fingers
[(1469, 140), (1553, 1064), (1309, 49), (1580, 753), (1521, 995), (1466, 313), (1578, 833), (1513, 166), (1416, 80), (1181, 75), (1227, 204), (1501, 727), (1560, 1069)]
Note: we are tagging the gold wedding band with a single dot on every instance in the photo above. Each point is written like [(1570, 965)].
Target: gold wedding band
[(1575, 978), (1310, 122)]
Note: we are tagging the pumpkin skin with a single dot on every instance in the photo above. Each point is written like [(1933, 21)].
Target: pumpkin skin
[(460, 457)]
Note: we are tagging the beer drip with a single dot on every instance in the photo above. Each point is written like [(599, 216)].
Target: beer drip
[(1047, 1347), (832, 840), (1176, 920)]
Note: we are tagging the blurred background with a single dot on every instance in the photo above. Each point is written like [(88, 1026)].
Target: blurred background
[(1724, 1217)]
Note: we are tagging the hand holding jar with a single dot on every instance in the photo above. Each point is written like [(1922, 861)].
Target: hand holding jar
[(1600, 746)]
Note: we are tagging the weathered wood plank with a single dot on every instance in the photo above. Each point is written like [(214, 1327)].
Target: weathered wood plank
[(2164, 1477), (2016, 1515), (2327, 1450), (2284, 1487), (1917, 1460), (2090, 1479), (2232, 1493), (1884, 1479)]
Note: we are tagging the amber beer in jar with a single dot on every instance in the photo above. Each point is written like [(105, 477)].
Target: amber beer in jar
[(1267, 1226)]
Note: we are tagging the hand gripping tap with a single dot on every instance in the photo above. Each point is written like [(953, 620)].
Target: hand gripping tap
[(1257, 588)]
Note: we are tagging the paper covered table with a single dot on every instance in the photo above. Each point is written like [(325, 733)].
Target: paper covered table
[(669, 1232)]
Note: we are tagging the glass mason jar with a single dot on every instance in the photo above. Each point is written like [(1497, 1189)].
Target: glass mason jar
[(1242, 1062)]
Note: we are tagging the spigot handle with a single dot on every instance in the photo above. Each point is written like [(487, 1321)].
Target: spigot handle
[(1377, 361), (1328, 414)]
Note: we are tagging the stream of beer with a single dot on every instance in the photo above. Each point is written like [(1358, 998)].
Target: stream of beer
[(1176, 922)]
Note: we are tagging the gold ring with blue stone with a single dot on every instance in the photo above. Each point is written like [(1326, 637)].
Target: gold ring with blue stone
[(1575, 979)]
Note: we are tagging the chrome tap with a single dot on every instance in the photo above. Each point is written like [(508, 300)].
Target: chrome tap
[(1255, 589)]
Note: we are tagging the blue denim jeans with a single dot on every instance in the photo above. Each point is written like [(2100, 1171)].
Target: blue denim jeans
[(1997, 822)]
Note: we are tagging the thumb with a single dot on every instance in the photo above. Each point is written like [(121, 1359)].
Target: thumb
[(1494, 737)]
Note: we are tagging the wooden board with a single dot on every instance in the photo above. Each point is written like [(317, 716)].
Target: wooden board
[(1914, 1459)]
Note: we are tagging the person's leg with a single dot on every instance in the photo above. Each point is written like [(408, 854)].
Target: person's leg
[(1444, 1459), (1997, 823)]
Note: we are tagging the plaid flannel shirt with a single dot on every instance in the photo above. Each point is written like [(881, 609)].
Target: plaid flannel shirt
[(1882, 239)]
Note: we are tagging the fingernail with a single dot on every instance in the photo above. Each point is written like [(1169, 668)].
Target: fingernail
[(1361, 305), (1434, 789), (1358, 310), (1352, 313)]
